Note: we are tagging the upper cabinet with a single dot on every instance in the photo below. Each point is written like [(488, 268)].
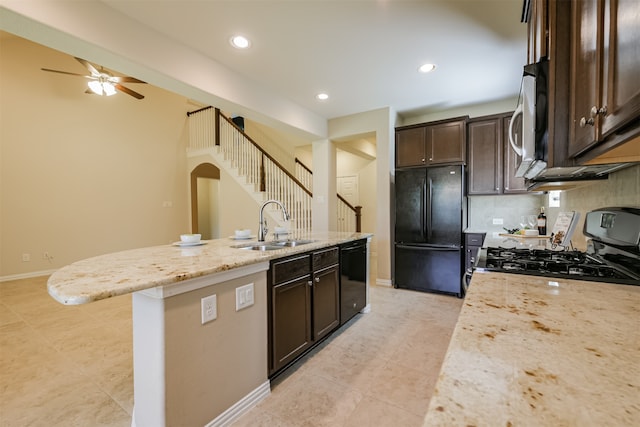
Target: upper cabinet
[(605, 70), (431, 143), (593, 93), (492, 162)]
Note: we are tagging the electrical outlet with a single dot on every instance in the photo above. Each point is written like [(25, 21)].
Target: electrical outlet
[(26, 257), (209, 308), (244, 296), (498, 221)]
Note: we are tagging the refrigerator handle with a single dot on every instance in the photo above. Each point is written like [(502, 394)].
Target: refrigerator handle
[(429, 209), (423, 204)]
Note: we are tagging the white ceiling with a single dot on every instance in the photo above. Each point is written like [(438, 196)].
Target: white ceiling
[(365, 53)]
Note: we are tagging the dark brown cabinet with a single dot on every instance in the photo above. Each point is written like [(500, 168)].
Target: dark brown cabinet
[(431, 143), (472, 244), (492, 162), (605, 62), (304, 304)]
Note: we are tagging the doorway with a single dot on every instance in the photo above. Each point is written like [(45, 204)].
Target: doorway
[(205, 186)]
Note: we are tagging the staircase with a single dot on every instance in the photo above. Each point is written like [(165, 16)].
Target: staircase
[(211, 133)]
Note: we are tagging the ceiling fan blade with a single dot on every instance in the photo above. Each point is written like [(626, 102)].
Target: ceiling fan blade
[(66, 72), (89, 66), (128, 91), (125, 79)]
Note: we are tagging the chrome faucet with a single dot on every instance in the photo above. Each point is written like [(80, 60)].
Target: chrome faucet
[(263, 230)]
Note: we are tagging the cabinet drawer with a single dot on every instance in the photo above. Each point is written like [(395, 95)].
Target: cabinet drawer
[(290, 268), (325, 258), (474, 239)]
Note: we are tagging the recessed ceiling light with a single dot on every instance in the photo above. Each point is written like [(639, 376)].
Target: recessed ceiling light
[(322, 96), (427, 68), (239, 42)]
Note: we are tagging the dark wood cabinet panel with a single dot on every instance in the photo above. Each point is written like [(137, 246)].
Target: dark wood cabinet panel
[(432, 143), (446, 142), (511, 183), (605, 61), (492, 162), (485, 156), (304, 304), (326, 301), (473, 243), (290, 321), (621, 72), (410, 147)]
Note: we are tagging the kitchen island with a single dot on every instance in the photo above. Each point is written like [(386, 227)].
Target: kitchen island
[(188, 370), (536, 351)]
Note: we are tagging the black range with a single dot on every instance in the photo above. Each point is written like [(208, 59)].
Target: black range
[(613, 255)]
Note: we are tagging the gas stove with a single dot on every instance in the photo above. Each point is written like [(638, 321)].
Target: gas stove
[(613, 255)]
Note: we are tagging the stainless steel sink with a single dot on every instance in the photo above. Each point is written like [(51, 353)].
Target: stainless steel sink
[(275, 245), (254, 247), (291, 243)]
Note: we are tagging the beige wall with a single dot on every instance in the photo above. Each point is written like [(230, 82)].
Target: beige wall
[(622, 188), (83, 175)]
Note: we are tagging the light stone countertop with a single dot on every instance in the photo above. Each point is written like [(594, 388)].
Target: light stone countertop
[(536, 351), (134, 270)]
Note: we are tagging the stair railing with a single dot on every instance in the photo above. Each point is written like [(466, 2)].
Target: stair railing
[(349, 217), (209, 128)]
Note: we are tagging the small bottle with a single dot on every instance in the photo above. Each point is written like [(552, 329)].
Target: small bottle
[(542, 223)]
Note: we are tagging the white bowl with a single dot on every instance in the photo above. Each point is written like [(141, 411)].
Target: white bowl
[(243, 233), (190, 238)]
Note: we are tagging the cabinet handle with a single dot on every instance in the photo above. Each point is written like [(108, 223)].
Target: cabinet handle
[(422, 160), (595, 111), (310, 283), (317, 279), (506, 188), (584, 122), (430, 159)]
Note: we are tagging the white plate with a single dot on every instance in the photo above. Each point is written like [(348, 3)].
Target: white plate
[(242, 238), (186, 244)]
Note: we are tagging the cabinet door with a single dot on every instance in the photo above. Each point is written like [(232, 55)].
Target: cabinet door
[(621, 69), (511, 183), (291, 320), (326, 301), (446, 142), (585, 60), (410, 147), (485, 156), (537, 31)]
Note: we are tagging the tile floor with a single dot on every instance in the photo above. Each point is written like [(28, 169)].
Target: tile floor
[(72, 366)]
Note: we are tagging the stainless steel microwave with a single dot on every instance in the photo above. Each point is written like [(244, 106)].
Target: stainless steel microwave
[(532, 114)]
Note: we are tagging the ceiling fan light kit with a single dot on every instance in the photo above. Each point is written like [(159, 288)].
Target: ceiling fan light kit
[(102, 88), (102, 82)]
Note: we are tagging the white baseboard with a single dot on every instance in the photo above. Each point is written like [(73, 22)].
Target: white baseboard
[(242, 406), (366, 309), (384, 282), (27, 275)]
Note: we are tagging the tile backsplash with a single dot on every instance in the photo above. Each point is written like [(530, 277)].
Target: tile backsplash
[(484, 209), (622, 188)]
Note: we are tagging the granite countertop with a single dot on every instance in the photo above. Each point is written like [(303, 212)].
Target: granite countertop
[(532, 351), (134, 270)]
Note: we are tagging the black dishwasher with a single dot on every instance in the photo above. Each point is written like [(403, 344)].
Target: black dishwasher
[(353, 279)]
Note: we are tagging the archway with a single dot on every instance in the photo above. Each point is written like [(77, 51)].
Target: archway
[(205, 181)]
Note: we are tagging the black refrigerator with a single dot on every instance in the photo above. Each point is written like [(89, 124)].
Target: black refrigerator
[(430, 212)]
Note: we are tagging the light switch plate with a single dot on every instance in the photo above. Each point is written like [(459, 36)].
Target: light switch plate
[(244, 296), (498, 221)]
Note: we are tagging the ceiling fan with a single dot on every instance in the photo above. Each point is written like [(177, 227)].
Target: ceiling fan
[(102, 82)]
